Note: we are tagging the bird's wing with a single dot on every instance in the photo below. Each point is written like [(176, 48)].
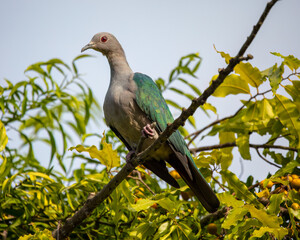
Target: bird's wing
[(152, 103)]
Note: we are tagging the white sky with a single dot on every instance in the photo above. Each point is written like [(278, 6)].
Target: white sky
[(154, 35)]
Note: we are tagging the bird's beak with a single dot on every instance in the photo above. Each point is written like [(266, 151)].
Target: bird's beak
[(88, 46)]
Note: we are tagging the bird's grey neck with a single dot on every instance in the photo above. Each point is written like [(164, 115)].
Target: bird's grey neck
[(118, 66)]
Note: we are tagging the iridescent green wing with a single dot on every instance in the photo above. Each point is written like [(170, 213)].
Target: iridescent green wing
[(151, 101)]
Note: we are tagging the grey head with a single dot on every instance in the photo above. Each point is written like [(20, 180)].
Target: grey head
[(105, 43)]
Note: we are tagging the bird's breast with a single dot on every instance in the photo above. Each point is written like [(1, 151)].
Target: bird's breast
[(122, 112)]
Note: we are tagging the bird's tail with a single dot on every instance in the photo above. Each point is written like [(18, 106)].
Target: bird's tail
[(198, 185)]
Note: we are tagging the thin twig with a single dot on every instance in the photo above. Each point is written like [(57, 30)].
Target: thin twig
[(221, 186), (266, 160), (233, 144), (139, 178)]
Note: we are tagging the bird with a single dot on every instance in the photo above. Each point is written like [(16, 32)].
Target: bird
[(132, 103)]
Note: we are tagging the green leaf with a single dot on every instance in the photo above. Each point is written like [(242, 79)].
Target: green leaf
[(229, 200), (77, 58), (295, 213), (241, 228), (293, 223), (288, 115), (192, 121), (173, 104), (17, 86), (124, 186), (142, 204), (193, 87), (167, 204), (288, 168), (233, 84), (275, 201), (249, 74), (39, 174), (162, 230), (275, 76), (235, 215), (292, 62), (239, 188), (266, 219), (3, 137), (227, 156), (278, 232), (242, 142)]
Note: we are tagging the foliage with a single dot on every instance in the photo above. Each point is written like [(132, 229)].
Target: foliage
[(36, 199)]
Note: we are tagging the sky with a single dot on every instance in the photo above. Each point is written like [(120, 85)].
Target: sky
[(154, 35)]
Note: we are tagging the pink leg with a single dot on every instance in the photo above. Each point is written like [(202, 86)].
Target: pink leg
[(148, 131)]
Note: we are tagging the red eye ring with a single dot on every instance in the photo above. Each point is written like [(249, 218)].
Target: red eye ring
[(103, 39)]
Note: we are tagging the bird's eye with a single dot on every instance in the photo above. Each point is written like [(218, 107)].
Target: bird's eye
[(103, 39)]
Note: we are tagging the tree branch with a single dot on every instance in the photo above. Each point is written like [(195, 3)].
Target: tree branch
[(233, 144), (267, 161), (92, 203)]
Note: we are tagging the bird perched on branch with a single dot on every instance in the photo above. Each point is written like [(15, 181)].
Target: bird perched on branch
[(132, 103)]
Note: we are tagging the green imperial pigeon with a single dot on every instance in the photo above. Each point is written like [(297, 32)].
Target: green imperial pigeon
[(132, 103)]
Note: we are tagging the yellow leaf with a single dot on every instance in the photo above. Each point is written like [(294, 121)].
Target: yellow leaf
[(107, 156), (233, 84), (224, 55), (266, 219), (3, 137), (249, 74), (264, 193), (33, 176), (288, 115)]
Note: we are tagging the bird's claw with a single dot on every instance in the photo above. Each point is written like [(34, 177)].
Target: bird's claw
[(148, 131)]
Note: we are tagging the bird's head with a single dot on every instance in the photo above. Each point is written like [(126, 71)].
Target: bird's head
[(105, 43)]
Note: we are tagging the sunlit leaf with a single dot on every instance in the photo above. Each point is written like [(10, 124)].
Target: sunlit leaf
[(288, 115), (3, 137), (242, 142), (142, 204), (233, 84), (107, 156), (264, 193), (234, 215), (167, 204), (227, 156), (229, 200), (266, 219), (278, 232), (275, 201), (224, 55), (292, 62), (275, 76), (240, 188)]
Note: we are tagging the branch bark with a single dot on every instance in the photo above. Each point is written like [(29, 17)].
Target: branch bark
[(91, 204), (233, 144)]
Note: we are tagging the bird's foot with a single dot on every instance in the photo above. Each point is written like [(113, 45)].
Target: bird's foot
[(129, 156), (148, 131)]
